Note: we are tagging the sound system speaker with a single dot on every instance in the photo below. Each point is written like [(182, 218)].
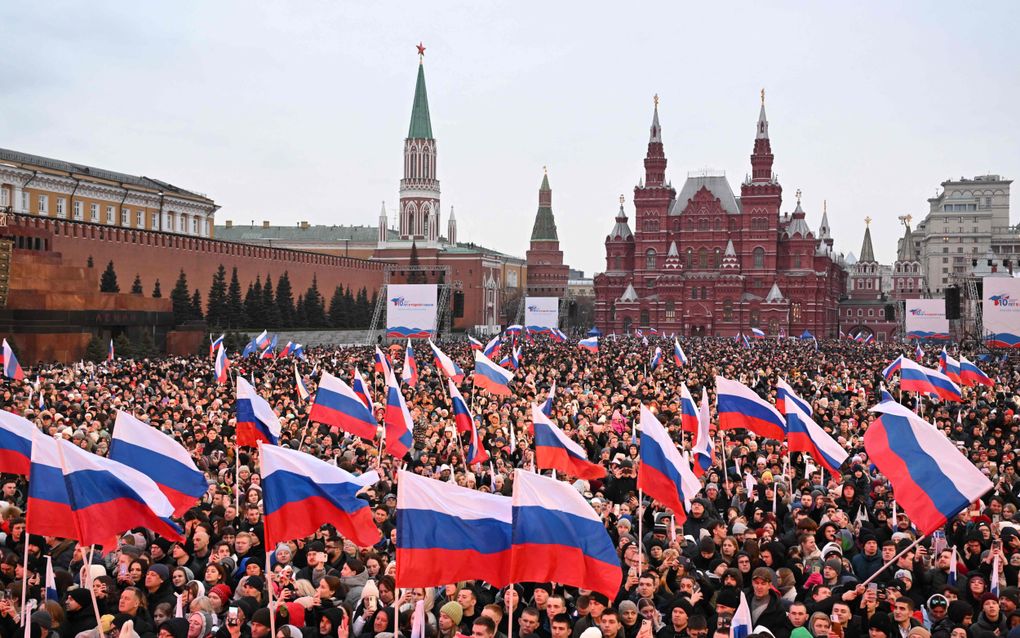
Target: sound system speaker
[(458, 304), (952, 303), (890, 312)]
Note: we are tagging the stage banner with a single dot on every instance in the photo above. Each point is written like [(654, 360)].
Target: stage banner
[(542, 314), (1001, 311), (926, 319), (411, 310)]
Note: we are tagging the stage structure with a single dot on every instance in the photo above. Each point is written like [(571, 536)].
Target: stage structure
[(926, 319), (413, 302), (542, 314), (1001, 312)]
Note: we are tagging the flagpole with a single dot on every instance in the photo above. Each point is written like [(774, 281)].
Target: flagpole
[(92, 590), (24, 581), (272, 612), (237, 479), (894, 559), (640, 526)]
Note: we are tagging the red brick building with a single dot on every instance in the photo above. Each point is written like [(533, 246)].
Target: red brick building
[(705, 262), (547, 274)]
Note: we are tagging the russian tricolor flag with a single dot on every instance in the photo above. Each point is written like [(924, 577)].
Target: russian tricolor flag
[(447, 533), (398, 430), (262, 341), (475, 452), (804, 435), (513, 329), (758, 333), (558, 537), (740, 625), (785, 393), (256, 421), (656, 359), (299, 385), (214, 345), (949, 366), (492, 348), (302, 493), (475, 343), (547, 405), (15, 443), (555, 451), (970, 374), (664, 474), (944, 386), (382, 364), (12, 369), (739, 407), (591, 344), (679, 357), (893, 368), (409, 374), (953, 569), (913, 378), (491, 377), (703, 450), (156, 455), (688, 410), (446, 364), (48, 510), (108, 498), (109, 352), (222, 365), (286, 349), (361, 388), (338, 405), (932, 479)]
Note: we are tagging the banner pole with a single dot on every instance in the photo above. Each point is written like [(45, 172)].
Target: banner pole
[(272, 612), (895, 558)]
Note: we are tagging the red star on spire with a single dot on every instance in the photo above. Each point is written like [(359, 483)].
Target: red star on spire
[(421, 49)]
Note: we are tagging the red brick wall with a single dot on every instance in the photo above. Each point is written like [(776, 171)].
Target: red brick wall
[(156, 255)]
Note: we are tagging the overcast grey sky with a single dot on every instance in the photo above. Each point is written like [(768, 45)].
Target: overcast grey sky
[(293, 111)]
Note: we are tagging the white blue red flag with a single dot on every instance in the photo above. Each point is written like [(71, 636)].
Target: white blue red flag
[(51, 582), (884, 394), (933, 481), (656, 359), (758, 333), (48, 511), (945, 389), (382, 364), (913, 377), (446, 364), (949, 366), (475, 452), (547, 405), (688, 410), (214, 344), (447, 533), (664, 474), (491, 377), (953, 569), (557, 536), (338, 405), (703, 452), (679, 357), (15, 443), (740, 407), (492, 347), (12, 369), (301, 493), (142, 447), (555, 451), (869, 338), (747, 342), (256, 421), (361, 388), (893, 368), (262, 341), (591, 344), (804, 435), (785, 393), (409, 375), (475, 343), (919, 352), (513, 329), (298, 351), (299, 385), (286, 349), (398, 423), (222, 365), (970, 374), (740, 624)]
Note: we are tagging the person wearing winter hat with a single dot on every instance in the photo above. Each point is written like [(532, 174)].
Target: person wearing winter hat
[(158, 588), (219, 595), (766, 609), (260, 623), (450, 616), (173, 628), (78, 612)]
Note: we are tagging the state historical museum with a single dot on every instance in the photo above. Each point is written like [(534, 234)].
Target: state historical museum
[(707, 263)]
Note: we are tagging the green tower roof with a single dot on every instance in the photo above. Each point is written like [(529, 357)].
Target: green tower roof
[(421, 125), (545, 224)]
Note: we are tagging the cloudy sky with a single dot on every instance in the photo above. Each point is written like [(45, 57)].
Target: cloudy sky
[(289, 111)]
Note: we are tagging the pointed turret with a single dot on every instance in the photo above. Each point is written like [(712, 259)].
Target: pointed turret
[(545, 224), (867, 252), (762, 158), (451, 228), (907, 251), (729, 260), (823, 230), (672, 257), (421, 124), (775, 294), (382, 224), (621, 231), (629, 295), (655, 134), (655, 158), (763, 121)]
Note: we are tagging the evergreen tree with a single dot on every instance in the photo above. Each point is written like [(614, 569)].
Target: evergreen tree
[(136, 288), (181, 299), (271, 312), (196, 305), (253, 303), (315, 309), (285, 300), (361, 303), (235, 306), (146, 346), (122, 347), (96, 350), (216, 307), (300, 313), (338, 309), (352, 310), (416, 276), (156, 292), (108, 280)]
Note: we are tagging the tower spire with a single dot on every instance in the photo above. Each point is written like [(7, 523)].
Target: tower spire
[(421, 124), (545, 224), (867, 251), (655, 134), (763, 122), (655, 158), (761, 157)]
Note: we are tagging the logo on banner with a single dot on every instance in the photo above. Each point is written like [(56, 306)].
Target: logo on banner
[(1003, 301), (402, 302)]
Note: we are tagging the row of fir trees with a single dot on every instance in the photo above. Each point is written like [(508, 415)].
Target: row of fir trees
[(261, 306)]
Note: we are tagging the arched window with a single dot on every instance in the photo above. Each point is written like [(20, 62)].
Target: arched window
[(759, 257), (727, 310), (645, 318), (717, 258), (650, 259), (703, 224), (690, 257), (694, 292), (703, 258)]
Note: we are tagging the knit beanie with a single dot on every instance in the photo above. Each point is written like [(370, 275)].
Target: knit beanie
[(222, 591), (453, 610)]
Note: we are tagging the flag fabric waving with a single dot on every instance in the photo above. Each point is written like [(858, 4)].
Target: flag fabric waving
[(703, 452), (338, 405), (142, 447), (398, 423), (382, 364), (804, 435), (409, 374), (447, 533), (740, 625), (299, 385), (15, 443), (492, 347), (256, 420), (932, 479), (591, 344), (50, 588), (214, 344), (758, 333), (109, 352), (491, 377), (664, 474), (446, 364), (913, 378), (893, 368), (12, 369), (656, 359), (555, 451), (48, 510), (361, 388), (547, 405), (222, 365), (475, 343), (475, 452), (785, 393), (970, 374), (679, 357), (740, 407), (301, 493), (688, 410), (557, 536), (944, 386), (949, 366)]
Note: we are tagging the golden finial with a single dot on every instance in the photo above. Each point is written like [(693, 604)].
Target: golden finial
[(545, 170), (798, 197), (908, 217), (622, 200), (867, 221), (763, 97), (655, 98)]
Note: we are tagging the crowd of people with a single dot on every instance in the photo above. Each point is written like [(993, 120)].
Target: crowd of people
[(800, 543)]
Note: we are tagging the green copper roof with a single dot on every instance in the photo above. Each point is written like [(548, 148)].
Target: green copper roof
[(421, 125), (545, 226), (867, 252), (545, 183)]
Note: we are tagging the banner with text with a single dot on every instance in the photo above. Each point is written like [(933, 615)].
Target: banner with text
[(1001, 311), (542, 314), (926, 319), (411, 310)]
